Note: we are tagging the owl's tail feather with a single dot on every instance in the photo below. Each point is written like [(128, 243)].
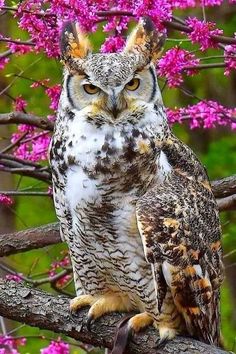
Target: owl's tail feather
[(122, 336), (205, 325)]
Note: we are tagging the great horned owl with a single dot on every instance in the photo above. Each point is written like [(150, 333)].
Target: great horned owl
[(134, 203)]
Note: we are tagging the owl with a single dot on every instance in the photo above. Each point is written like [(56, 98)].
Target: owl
[(134, 203)]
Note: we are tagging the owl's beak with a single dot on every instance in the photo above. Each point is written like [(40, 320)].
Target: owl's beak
[(115, 103)]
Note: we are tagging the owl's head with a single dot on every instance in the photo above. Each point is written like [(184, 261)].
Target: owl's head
[(113, 83)]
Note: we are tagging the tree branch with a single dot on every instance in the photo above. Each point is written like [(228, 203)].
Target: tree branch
[(23, 118), (227, 203), (29, 239), (39, 309), (224, 189), (12, 164)]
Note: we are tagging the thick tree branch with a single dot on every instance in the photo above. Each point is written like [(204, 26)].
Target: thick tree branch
[(37, 308), (227, 203), (26, 118), (29, 239), (224, 189)]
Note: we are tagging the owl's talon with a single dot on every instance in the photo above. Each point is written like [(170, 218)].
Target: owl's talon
[(161, 342), (89, 321), (166, 334), (81, 301)]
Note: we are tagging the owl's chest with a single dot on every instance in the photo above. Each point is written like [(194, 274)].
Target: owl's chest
[(108, 152)]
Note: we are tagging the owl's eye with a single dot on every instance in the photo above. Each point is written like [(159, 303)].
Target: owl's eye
[(133, 84), (90, 89)]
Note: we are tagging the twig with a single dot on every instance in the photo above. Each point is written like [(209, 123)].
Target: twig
[(26, 118), (25, 194), (205, 66), (17, 41), (169, 24)]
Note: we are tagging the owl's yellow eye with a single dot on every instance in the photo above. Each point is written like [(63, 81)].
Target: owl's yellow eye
[(90, 89), (133, 84)]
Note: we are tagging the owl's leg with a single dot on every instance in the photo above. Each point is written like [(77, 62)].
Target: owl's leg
[(81, 301), (139, 321), (108, 303)]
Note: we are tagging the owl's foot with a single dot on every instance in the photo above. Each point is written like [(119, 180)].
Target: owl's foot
[(139, 321), (127, 327), (81, 301), (166, 333), (106, 304)]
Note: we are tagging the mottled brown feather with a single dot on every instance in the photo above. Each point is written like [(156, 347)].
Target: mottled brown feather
[(179, 224)]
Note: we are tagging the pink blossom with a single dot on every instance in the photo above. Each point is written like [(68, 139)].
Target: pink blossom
[(15, 277), (183, 4), (211, 2), (58, 347), (2, 3), (23, 128), (9, 344), (20, 49), (43, 83), (50, 191), (173, 63), (5, 199), (230, 58), (202, 32), (57, 266), (35, 145), (3, 62), (118, 24), (54, 95), (113, 44), (205, 114), (19, 104), (158, 10)]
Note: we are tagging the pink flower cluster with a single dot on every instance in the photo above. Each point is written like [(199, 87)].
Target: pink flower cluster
[(5, 199), (184, 4), (3, 62), (14, 277), (34, 146), (9, 344), (58, 266), (205, 114), (202, 32), (54, 95), (58, 347), (20, 49), (172, 64), (113, 44), (19, 104), (230, 58)]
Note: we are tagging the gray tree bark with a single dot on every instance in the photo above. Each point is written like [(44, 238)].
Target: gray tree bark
[(39, 309)]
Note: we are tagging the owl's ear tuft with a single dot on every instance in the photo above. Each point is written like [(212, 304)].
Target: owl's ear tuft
[(146, 40), (73, 44)]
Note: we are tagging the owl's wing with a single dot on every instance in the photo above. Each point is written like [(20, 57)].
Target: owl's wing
[(179, 225)]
